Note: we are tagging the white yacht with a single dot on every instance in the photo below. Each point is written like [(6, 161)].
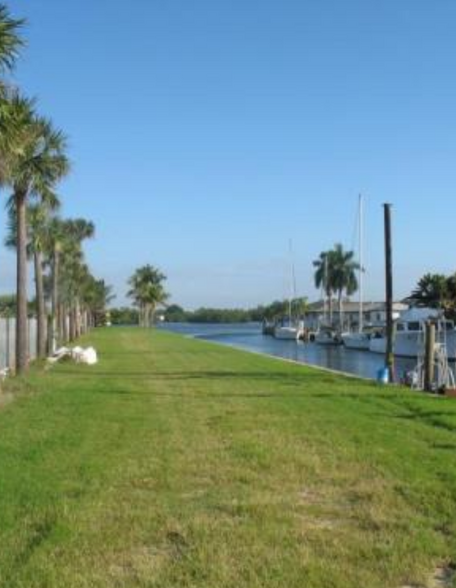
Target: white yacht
[(360, 340), (289, 331), (327, 335), (409, 334)]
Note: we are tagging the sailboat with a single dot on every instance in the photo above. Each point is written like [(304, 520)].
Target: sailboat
[(361, 338), (289, 329)]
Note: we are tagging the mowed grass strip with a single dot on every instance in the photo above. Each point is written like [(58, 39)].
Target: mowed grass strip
[(178, 463)]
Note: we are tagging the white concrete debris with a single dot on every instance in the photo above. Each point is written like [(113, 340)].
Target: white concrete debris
[(78, 354), (81, 355)]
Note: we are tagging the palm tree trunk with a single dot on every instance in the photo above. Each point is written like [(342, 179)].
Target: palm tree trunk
[(40, 306), (72, 325), (78, 317), (21, 292), (341, 324), (55, 299), (62, 330)]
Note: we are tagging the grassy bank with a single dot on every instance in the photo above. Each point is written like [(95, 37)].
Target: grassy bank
[(177, 463)]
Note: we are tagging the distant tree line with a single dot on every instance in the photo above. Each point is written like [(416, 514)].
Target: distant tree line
[(176, 314)]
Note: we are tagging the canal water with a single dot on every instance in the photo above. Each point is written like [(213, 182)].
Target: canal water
[(249, 336)]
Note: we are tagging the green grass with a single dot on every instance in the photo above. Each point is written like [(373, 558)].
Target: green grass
[(177, 463)]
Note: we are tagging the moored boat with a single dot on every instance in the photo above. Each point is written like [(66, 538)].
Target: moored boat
[(409, 334)]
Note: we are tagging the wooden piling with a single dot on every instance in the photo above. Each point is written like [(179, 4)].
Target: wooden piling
[(389, 356), (429, 357)]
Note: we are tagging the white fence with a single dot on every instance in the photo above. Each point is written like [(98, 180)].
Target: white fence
[(8, 341)]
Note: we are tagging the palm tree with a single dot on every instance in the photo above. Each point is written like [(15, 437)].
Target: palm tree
[(10, 40), (38, 216), (64, 244), (34, 170), (10, 44), (431, 291), (343, 274), (96, 295), (335, 274), (324, 277), (147, 291)]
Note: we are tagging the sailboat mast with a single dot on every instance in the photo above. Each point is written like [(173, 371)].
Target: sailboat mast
[(361, 263), (292, 283)]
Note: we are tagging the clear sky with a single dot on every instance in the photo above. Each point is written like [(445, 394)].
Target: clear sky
[(205, 134)]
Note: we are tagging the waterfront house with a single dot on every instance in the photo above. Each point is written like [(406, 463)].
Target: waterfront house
[(374, 313)]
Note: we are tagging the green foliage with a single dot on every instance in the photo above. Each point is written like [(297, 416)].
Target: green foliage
[(11, 40), (335, 271), (275, 310), (436, 291), (147, 291), (8, 306), (175, 314), (124, 316)]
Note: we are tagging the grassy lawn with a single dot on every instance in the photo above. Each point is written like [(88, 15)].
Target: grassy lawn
[(177, 463)]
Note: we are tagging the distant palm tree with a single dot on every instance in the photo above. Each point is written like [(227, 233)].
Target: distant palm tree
[(343, 274), (64, 244), (335, 274), (324, 278), (147, 291), (37, 166)]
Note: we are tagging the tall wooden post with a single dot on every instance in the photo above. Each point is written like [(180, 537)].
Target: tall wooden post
[(389, 356), (429, 357)]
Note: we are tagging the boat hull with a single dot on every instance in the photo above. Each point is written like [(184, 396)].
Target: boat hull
[(358, 341), (410, 344), (287, 333), (325, 338)]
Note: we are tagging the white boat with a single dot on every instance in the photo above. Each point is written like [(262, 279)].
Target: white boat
[(359, 341), (327, 335), (409, 334), (289, 332)]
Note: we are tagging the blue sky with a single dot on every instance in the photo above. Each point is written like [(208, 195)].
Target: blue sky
[(206, 134)]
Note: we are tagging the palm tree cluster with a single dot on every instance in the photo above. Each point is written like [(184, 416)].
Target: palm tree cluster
[(147, 292), (33, 160), (335, 274), (436, 291)]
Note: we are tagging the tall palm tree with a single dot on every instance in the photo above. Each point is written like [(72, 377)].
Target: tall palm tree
[(147, 291), (38, 215), (336, 274), (324, 277), (35, 169), (64, 244), (343, 274), (96, 296)]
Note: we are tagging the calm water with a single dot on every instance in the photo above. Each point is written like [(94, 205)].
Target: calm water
[(249, 336)]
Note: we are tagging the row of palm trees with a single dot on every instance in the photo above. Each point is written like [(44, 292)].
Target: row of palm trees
[(33, 160), (335, 274), (147, 291)]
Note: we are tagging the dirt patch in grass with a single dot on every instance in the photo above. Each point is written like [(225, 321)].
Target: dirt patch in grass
[(442, 577)]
